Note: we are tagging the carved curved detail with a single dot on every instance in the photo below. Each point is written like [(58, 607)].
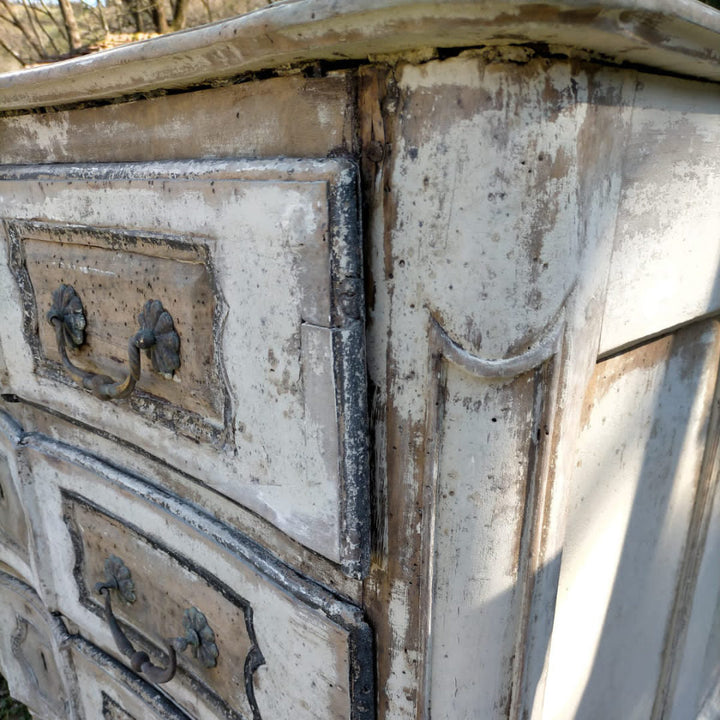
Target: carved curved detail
[(157, 336), (534, 356), (18, 637)]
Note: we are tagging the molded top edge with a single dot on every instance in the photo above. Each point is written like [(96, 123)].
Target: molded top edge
[(677, 36)]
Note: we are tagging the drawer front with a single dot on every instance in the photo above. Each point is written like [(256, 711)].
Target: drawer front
[(258, 265), (30, 658), (276, 646)]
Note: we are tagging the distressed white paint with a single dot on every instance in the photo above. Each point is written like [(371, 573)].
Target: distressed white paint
[(492, 165), (269, 236), (16, 538), (667, 250), (500, 233), (498, 252), (483, 470), (697, 686), (637, 469)]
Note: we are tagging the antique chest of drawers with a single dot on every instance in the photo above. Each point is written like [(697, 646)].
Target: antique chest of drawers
[(359, 360)]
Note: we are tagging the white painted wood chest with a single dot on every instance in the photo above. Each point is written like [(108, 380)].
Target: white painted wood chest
[(359, 361)]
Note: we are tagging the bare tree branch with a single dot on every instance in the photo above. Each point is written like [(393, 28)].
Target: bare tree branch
[(159, 16), (12, 52), (53, 16), (208, 10), (32, 22), (103, 19), (42, 8), (21, 27)]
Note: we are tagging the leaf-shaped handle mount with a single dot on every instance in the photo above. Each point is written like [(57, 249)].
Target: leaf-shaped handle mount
[(157, 336), (199, 636)]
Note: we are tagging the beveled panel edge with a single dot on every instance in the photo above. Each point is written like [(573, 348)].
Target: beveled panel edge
[(87, 599), (233, 541), (10, 438), (350, 368), (10, 428), (337, 609), (50, 423), (543, 360), (110, 708), (678, 36)]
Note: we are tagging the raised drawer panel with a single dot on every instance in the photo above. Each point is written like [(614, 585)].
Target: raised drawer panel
[(112, 271), (258, 263), (159, 614), (285, 646)]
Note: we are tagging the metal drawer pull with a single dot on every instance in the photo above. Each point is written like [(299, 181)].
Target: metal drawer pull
[(198, 634), (117, 577), (157, 336)]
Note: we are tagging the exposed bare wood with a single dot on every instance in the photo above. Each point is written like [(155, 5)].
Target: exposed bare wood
[(310, 117)]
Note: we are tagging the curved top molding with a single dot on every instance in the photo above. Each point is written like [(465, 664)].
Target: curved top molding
[(678, 36)]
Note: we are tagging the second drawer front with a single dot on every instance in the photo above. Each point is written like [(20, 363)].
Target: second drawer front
[(284, 647)]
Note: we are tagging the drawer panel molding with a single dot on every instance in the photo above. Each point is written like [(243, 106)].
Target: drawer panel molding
[(154, 611), (116, 270)]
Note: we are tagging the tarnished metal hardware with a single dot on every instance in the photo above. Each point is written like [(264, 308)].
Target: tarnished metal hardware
[(157, 336), (200, 636), (118, 578), (198, 633)]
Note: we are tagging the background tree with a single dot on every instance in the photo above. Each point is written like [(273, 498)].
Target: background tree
[(39, 31)]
